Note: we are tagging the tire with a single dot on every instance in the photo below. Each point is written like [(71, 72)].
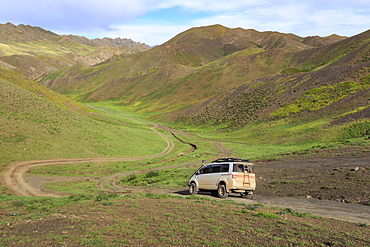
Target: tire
[(221, 191), (193, 190)]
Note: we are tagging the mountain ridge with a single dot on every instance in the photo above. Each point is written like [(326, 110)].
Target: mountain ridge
[(36, 52), (192, 48), (21, 33), (222, 76)]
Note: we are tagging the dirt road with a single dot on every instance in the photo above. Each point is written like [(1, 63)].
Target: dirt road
[(15, 178), (19, 183), (328, 209)]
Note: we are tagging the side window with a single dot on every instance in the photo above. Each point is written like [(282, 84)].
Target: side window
[(201, 170), (206, 169), (238, 168), (216, 169), (225, 168)]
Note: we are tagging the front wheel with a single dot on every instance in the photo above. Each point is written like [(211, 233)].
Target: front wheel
[(193, 189), (221, 191)]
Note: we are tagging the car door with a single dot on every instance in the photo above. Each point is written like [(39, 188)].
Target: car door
[(203, 177), (214, 177)]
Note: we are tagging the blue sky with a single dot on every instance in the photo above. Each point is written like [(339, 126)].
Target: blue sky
[(155, 21)]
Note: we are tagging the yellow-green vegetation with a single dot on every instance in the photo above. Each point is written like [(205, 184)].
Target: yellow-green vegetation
[(317, 98), (162, 178), (262, 140), (38, 48), (268, 139), (184, 58), (35, 128), (324, 56), (166, 178), (82, 187), (165, 220), (103, 169), (42, 92), (293, 71), (37, 123)]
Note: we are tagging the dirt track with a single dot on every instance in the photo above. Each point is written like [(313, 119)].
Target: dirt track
[(15, 178)]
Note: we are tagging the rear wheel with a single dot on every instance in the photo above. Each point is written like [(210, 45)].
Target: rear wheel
[(193, 189), (221, 191), (248, 195)]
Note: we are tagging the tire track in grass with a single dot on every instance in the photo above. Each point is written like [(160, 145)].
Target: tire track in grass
[(115, 187), (13, 176)]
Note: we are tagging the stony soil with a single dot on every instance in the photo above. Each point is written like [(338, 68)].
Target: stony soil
[(341, 175)]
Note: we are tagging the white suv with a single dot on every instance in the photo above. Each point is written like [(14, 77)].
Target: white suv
[(224, 176)]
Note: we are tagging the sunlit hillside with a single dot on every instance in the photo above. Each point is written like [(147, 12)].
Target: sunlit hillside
[(37, 123), (229, 84)]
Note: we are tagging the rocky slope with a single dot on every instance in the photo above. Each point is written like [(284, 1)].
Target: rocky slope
[(36, 52)]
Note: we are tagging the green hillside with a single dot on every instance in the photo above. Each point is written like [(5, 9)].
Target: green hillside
[(141, 121), (296, 91), (36, 52), (37, 123), (318, 78), (220, 56)]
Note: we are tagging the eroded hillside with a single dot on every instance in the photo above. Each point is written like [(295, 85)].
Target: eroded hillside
[(216, 76), (35, 52), (194, 65)]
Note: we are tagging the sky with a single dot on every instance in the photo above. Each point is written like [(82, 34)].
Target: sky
[(155, 21)]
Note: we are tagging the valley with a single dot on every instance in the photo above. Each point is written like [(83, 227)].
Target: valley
[(98, 138), (272, 176)]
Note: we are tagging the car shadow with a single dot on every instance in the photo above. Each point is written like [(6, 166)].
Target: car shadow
[(204, 193)]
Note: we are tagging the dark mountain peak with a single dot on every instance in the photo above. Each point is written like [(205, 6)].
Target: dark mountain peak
[(116, 42)]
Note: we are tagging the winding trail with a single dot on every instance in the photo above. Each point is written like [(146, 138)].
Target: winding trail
[(14, 177)]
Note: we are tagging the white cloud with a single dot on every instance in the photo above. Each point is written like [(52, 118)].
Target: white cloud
[(151, 34), (302, 19), (211, 5), (73, 14), (124, 18)]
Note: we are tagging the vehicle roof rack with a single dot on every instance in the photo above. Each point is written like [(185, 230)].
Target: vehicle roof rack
[(230, 160)]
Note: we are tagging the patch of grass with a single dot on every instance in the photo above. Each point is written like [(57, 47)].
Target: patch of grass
[(105, 196), (74, 187), (317, 98), (267, 215), (158, 196), (164, 178), (140, 220)]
